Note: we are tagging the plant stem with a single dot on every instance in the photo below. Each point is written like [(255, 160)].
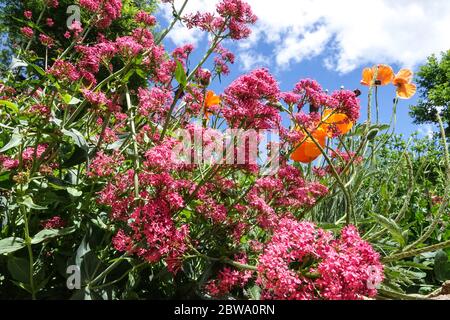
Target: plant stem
[(29, 249), (416, 252), (446, 199), (177, 16), (136, 163)]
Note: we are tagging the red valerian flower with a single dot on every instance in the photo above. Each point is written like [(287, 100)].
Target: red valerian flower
[(27, 32), (303, 262), (28, 14), (54, 223)]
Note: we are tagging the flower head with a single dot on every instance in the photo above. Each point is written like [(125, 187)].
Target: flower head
[(405, 89), (384, 75), (308, 151)]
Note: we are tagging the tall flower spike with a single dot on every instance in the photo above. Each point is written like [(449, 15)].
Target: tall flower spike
[(385, 75), (405, 89)]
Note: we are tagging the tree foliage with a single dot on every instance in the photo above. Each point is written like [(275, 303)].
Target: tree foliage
[(434, 82)]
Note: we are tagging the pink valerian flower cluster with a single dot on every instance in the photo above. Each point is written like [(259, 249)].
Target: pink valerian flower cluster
[(310, 92), (182, 53), (27, 32), (27, 157), (104, 165), (234, 18), (286, 192), (64, 71), (93, 57), (240, 15), (154, 101), (222, 60), (46, 40), (153, 225), (347, 156), (28, 14), (303, 262), (145, 18), (248, 101), (108, 10), (53, 223), (351, 270), (49, 22), (229, 279), (40, 110), (75, 28), (347, 102), (52, 3)]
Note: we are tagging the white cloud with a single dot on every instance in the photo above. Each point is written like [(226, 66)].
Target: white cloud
[(352, 33), (426, 130), (250, 60)]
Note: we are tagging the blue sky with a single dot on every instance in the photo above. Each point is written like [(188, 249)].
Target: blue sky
[(331, 42)]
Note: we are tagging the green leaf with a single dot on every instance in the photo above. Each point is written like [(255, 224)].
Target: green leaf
[(180, 74), (28, 202), (392, 227), (47, 234), (77, 137), (19, 269), (441, 266), (68, 99), (38, 69), (74, 192), (79, 156), (11, 106), (16, 140), (141, 73), (10, 245), (254, 293)]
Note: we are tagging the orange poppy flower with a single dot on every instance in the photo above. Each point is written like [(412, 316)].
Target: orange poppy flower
[(405, 89), (338, 120), (211, 100), (385, 75), (308, 151)]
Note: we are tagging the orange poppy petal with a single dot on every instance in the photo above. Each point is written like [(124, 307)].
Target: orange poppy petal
[(211, 99), (406, 91), (338, 120), (405, 74), (367, 77), (385, 74)]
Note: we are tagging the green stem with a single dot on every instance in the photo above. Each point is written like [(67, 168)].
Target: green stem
[(136, 163), (29, 249), (177, 16), (416, 252), (445, 201)]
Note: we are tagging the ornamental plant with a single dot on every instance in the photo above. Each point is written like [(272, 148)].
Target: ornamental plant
[(120, 179)]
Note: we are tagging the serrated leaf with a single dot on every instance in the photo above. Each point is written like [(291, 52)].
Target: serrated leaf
[(47, 234), (10, 245)]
